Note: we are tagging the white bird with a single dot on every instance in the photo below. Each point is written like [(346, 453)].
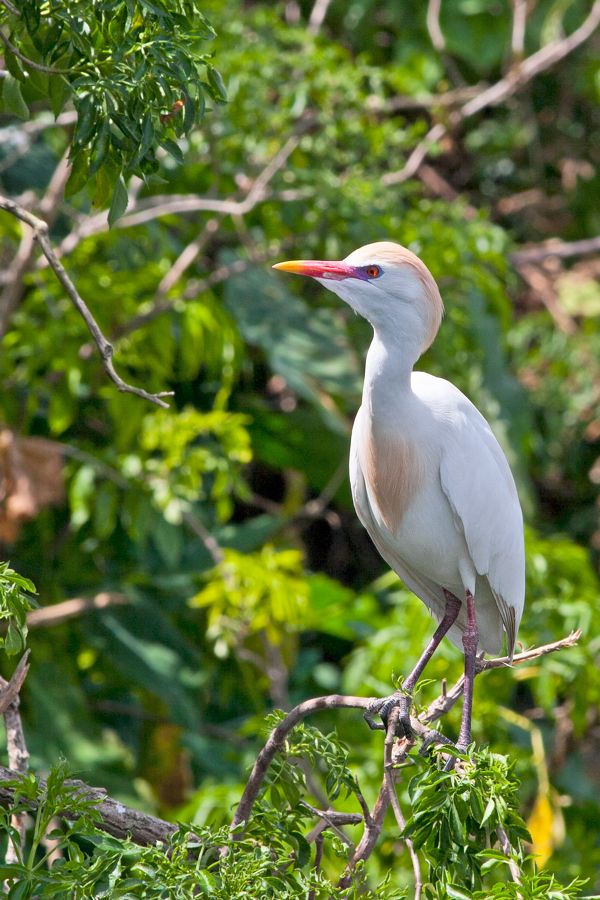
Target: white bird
[(429, 480)]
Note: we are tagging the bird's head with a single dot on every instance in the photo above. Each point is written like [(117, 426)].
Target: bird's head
[(385, 283)]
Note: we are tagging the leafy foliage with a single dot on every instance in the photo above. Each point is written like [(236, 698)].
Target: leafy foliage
[(134, 71), (16, 599), (223, 524)]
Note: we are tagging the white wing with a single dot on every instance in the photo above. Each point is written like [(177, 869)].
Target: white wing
[(480, 488)]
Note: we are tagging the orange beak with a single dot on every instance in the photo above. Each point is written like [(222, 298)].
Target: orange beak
[(317, 268)]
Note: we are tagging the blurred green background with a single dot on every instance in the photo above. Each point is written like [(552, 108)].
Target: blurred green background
[(236, 577)]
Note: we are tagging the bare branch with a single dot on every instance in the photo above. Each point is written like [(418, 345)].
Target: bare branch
[(317, 15), (513, 81), (10, 7), (433, 25), (276, 741), (517, 38), (18, 755), (508, 852), (40, 232), (155, 207), (370, 835), (388, 769), (48, 207), (448, 698), (58, 613), (115, 818), (556, 248)]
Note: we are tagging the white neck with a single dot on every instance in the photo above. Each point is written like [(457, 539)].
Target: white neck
[(389, 365)]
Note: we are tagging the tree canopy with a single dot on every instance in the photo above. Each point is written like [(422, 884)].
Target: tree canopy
[(174, 483)]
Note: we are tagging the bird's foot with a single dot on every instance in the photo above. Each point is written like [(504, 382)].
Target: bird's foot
[(383, 708)]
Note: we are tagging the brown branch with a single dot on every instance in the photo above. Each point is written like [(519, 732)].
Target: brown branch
[(277, 739), (370, 835), (10, 7), (48, 616), (517, 38), (518, 76), (555, 248), (48, 208), (435, 711), (40, 233), (448, 698), (507, 849), (155, 207), (317, 15), (18, 755), (115, 818), (389, 764)]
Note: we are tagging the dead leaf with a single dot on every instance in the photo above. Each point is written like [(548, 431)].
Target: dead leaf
[(31, 477)]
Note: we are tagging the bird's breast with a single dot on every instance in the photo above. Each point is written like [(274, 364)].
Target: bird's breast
[(393, 470)]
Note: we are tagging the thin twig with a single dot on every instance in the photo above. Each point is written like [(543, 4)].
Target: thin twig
[(10, 7), (30, 62), (48, 209), (517, 38), (40, 231), (508, 852)]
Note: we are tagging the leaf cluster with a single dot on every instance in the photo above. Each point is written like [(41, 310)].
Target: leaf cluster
[(136, 72)]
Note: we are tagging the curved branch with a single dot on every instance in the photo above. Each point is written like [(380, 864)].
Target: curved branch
[(40, 232)]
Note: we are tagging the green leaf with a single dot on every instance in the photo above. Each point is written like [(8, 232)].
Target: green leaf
[(78, 177), (58, 92), (489, 809), (119, 202), (12, 98), (218, 89)]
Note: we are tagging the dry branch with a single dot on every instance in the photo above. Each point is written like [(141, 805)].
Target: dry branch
[(514, 80), (18, 755), (114, 818), (40, 233)]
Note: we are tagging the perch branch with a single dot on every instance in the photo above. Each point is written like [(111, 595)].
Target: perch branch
[(435, 711), (40, 232)]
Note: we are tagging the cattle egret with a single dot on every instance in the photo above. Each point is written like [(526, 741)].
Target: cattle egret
[(429, 480)]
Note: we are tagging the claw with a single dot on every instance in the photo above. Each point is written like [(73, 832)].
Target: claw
[(383, 708)]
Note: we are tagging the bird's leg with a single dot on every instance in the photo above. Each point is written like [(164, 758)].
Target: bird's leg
[(403, 698), (470, 641)]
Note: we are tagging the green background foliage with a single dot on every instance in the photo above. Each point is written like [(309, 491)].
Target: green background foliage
[(241, 591)]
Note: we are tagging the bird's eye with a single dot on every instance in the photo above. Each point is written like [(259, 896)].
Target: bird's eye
[(373, 271)]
